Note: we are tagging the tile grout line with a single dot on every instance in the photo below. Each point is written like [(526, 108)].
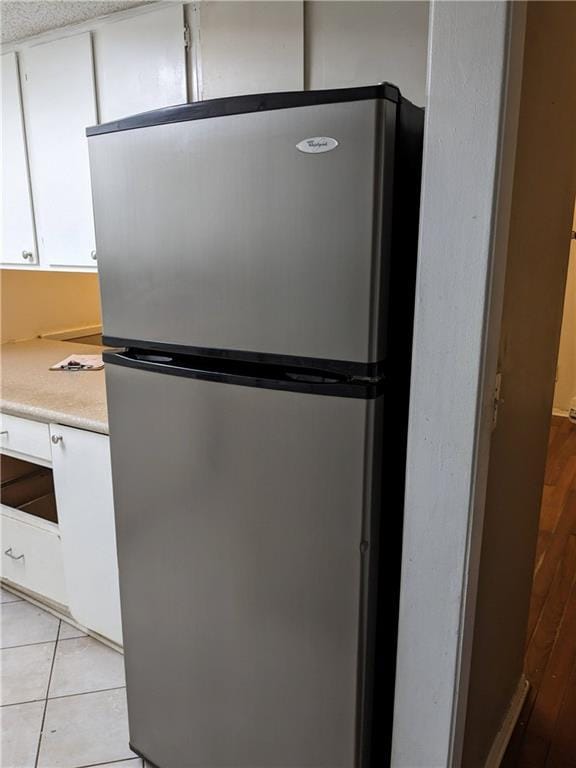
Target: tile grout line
[(80, 637), (67, 696), (113, 762), (87, 693), (18, 703), (29, 645), (47, 692)]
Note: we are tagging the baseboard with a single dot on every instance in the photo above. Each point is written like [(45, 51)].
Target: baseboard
[(72, 333), (502, 739), (50, 606), (57, 610), (559, 412)]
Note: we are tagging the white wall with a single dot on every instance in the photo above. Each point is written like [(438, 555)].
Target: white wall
[(39, 302), (460, 273)]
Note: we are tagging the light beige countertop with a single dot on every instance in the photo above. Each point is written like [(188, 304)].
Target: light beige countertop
[(30, 390)]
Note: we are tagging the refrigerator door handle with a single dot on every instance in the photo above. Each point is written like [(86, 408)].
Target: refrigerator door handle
[(258, 375)]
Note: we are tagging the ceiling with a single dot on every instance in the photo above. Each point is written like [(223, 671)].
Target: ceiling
[(24, 18)]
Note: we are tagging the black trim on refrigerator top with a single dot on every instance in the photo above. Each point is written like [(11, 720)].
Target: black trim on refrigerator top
[(344, 367), (312, 381), (238, 105)]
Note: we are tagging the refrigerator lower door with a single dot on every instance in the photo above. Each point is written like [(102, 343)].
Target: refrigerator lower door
[(241, 514)]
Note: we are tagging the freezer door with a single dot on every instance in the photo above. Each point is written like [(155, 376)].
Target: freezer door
[(221, 234), (240, 517)]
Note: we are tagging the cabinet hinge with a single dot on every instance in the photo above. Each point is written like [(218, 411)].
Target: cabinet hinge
[(187, 37)]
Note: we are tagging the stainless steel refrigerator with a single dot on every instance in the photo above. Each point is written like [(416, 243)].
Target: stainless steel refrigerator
[(257, 258)]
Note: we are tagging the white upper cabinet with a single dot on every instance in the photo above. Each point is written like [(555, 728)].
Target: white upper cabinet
[(358, 43), (59, 103), (18, 244), (141, 62), (248, 47)]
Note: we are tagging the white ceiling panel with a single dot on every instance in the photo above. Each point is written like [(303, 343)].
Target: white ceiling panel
[(20, 19)]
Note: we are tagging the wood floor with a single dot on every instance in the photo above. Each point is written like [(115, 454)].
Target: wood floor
[(545, 736)]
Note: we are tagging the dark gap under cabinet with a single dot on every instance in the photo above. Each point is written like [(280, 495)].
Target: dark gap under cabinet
[(28, 487)]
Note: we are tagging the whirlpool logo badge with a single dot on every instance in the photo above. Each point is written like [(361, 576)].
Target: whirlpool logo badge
[(317, 144)]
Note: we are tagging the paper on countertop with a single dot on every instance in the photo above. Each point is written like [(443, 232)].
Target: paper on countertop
[(83, 363)]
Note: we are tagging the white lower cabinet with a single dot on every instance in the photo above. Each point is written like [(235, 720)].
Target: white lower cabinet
[(83, 485), (24, 438), (32, 555)]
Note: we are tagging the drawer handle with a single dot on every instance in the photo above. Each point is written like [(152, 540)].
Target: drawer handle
[(57, 439), (10, 554), (4, 432)]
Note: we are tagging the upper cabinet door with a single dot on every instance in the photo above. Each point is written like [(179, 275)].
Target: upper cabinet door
[(141, 63), (59, 103), (248, 47), (357, 43), (18, 244)]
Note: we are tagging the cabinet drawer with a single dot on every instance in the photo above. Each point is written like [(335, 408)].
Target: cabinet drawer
[(22, 436), (32, 556)]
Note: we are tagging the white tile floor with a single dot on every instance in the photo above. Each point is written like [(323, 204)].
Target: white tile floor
[(62, 695)]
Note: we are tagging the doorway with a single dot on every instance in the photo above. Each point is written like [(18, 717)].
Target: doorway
[(545, 736), (538, 247), (486, 306)]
